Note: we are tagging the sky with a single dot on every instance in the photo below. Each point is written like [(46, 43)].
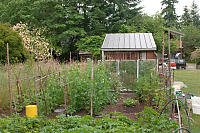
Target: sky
[(151, 7)]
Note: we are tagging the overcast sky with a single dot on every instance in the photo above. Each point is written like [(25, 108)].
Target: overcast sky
[(151, 7)]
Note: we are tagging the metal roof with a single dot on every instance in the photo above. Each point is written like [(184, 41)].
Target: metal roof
[(85, 53), (128, 42)]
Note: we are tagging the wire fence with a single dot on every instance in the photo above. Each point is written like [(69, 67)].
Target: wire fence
[(131, 70)]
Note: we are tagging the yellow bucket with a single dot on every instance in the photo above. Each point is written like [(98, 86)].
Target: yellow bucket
[(31, 111)]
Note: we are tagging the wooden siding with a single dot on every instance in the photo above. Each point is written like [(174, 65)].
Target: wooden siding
[(151, 55), (128, 55)]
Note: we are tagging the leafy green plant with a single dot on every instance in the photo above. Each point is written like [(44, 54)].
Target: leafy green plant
[(91, 44), (151, 121), (148, 122), (129, 102)]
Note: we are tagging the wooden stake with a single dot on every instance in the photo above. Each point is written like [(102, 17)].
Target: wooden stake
[(9, 85), (65, 99), (70, 57), (163, 53)]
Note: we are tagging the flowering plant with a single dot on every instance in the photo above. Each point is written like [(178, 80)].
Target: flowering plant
[(33, 41)]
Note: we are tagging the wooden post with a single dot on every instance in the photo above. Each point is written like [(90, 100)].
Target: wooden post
[(169, 76), (70, 57), (181, 47), (163, 53), (9, 85), (117, 67), (65, 99), (169, 56), (35, 79), (51, 53), (102, 55), (138, 69)]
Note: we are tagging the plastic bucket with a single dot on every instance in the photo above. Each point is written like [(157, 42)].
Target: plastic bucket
[(31, 111), (196, 105), (196, 108)]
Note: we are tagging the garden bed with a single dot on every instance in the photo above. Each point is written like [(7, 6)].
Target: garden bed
[(130, 112)]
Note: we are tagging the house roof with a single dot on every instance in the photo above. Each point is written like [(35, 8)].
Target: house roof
[(129, 42)]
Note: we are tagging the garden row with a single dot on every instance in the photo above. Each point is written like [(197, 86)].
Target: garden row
[(113, 123)]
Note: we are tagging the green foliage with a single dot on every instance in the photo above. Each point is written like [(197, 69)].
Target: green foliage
[(81, 87), (148, 90), (91, 44), (169, 13), (66, 22), (129, 102), (78, 88), (191, 40), (186, 18), (194, 15), (147, 24), (17, 52), (149, 122)]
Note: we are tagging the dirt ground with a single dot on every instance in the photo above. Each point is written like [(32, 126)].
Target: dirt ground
[(130, 112)]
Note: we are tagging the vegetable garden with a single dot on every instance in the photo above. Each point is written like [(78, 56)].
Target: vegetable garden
[(90, 87)]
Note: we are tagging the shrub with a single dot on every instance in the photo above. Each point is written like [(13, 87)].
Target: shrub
[(17, 52)]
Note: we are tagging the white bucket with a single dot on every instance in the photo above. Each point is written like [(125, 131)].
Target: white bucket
[(196, 105), (196, 109)]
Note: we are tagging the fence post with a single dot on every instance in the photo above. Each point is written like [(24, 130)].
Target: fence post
[(9, 86), (138, 69), (92, 90), (118, 67)]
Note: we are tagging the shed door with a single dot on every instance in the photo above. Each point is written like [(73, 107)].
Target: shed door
[(143, 55)]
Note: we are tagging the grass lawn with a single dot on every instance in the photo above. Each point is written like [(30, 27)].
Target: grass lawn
[(192, 79)]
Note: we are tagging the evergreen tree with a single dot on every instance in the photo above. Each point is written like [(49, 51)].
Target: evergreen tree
[(194, 14), (169, 13), (186, 18)]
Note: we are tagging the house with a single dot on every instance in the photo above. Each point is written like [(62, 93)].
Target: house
[(129, 46)]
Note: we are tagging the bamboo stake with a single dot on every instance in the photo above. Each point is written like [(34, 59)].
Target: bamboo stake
[(41, 86), (35, 82), (65, 99), (9, 85), (29, 86), (18, 90)]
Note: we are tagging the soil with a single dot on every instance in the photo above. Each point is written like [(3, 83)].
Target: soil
[(130, 112)]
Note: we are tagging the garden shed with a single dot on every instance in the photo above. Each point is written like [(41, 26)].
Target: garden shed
[(85, 55), (129, 46)]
